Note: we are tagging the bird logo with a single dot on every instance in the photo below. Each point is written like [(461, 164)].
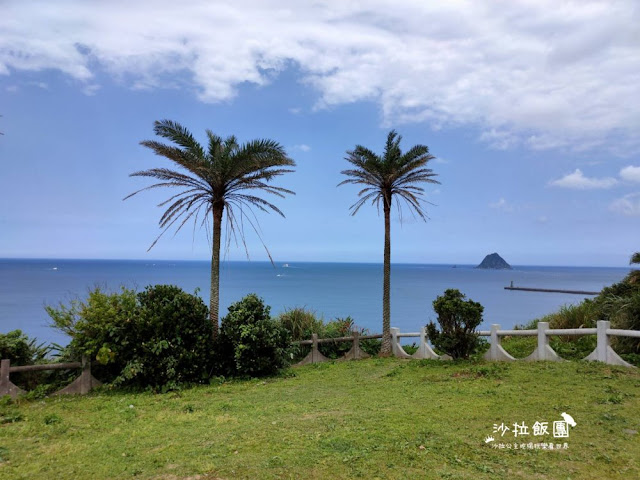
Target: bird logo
[(568, 418)]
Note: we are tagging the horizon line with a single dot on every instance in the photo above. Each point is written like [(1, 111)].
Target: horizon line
[(281, 262)]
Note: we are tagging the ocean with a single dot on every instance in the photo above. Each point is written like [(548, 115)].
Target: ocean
[(330, 289)]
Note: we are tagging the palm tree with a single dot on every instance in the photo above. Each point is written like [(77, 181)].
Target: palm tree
[(392, 175), (224, 176)]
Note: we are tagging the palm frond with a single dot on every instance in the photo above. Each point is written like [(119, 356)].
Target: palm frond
[(180, 136), (392, 174), (217, 176)]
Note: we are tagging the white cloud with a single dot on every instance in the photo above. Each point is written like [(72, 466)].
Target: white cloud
[(542, 219), (544, 74), (12, 88), (503, 205), (578, 181), (302, 147), (42, 85), (91, 89), (629, 205), (295, 110), (630, 174)]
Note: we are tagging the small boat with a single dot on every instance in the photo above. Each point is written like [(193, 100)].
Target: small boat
[(286, 265)]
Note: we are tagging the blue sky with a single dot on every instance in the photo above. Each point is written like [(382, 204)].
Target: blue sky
[(530, 108)]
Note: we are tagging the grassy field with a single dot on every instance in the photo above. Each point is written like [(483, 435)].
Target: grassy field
[(378, 418)]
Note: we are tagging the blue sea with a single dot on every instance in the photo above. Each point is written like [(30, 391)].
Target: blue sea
[(330, 289)]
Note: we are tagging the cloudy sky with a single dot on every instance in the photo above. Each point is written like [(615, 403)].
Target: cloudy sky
[(531, 108)]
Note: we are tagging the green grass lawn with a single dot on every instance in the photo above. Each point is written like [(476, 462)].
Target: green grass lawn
[(377, 418)]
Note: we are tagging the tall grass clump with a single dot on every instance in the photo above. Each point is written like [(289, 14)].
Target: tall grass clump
[(302, 323), (618, 303)]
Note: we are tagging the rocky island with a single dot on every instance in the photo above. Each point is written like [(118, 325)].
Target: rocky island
[(494, 262)]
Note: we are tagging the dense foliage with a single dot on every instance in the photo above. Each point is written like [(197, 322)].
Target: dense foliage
[(158, 338), (301, 323), (458, 319), (22, 350), (250, 342), (618, 303)]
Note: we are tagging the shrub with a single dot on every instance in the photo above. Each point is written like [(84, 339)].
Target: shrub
[(22, 350), (250, 342), (344, 327), (340, 327), (301, 323), (618, 303), (158, 338), (624, 313), (458, 319), (101, 327), (582, 315), (173, 339)]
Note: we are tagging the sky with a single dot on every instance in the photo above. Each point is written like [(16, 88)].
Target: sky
[(530, 108)]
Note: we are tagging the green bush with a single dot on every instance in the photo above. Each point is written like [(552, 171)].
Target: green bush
[(22, 350), (340, 327), (250, 342), (158, 338), (344, 327), (458, 319), (101, 327)]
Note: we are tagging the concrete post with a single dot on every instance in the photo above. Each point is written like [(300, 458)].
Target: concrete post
[(314, 356), (396, 348), (424, 350), (356, 352), (85, 376), (604, 352), (83, 384), (6, 387), (544, 351), (496, 352)]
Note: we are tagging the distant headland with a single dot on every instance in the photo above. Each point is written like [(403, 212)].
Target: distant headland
[(494, 262)]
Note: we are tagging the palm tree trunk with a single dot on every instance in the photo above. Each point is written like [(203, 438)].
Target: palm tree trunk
[(214, 300), (385, 350)]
